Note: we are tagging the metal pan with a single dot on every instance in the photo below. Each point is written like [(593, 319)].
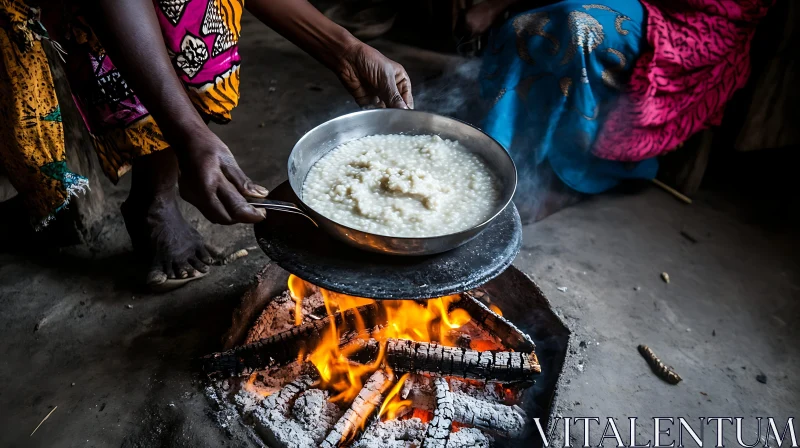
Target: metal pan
[(327, 136)]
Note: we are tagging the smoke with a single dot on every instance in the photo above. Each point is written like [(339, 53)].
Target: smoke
[(455, 92)]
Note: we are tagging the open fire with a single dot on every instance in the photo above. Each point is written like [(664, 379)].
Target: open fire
[(326, 369)]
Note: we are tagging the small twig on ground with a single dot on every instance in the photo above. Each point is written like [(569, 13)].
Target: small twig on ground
[(688, 236), (45, 418), (658, 367), (230, 258), (672, 191)]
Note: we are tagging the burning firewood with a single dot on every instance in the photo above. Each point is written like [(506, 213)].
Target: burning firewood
[(499, 326), (425, 357), (438, 432), (363, 406), (506, 421), (284, 347)]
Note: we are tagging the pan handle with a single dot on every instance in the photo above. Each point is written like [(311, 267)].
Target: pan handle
[(282, 206)]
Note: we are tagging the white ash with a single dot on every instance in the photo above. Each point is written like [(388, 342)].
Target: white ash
[(309, 406), (410, 433), (393, 434), (315, 413), (468, 438), (491, 392), (280, 431), (274, 425), (246, 401)]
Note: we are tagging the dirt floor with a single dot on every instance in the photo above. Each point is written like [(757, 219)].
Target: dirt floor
[(78, 332)]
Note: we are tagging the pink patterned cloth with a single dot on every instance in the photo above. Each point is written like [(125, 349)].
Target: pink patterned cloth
[(699, 57)]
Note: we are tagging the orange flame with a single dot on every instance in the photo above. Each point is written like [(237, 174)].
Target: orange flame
[(299, 290), (250, 386), (392, 405), (407, 319)]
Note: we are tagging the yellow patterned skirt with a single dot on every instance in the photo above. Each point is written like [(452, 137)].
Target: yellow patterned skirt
[(202, 39)]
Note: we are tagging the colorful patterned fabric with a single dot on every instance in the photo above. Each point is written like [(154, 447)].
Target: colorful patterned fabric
[(32, 150), (699, 56), (552, 74), (201, 38)]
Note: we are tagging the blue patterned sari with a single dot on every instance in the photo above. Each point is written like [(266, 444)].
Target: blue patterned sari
[(552, 73)]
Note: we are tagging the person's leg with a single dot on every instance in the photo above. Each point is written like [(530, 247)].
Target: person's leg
[(127, 138), (158, 231), (551, 74)]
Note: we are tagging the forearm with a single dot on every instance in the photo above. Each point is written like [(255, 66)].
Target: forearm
[(131, 35), (306, 27)]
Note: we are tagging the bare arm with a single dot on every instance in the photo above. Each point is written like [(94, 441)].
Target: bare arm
[(139, 52), (369, 76), (210, 178), (306, 27)]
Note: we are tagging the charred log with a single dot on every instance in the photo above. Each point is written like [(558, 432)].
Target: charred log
[(284, 347), (499, 326), (438, 432), (424, 357), (363, 407)]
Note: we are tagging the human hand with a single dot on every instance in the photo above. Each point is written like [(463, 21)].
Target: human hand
[(375, 80), (212, 181)]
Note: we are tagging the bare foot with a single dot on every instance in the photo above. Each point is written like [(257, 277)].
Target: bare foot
[(160, 235)]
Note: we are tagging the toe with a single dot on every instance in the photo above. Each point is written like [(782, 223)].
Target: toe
[(199, 265), (169, 271), (204, 254), (156, 276), (183, 269)]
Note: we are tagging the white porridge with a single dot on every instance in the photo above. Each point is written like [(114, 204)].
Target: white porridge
[(402, 185)]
